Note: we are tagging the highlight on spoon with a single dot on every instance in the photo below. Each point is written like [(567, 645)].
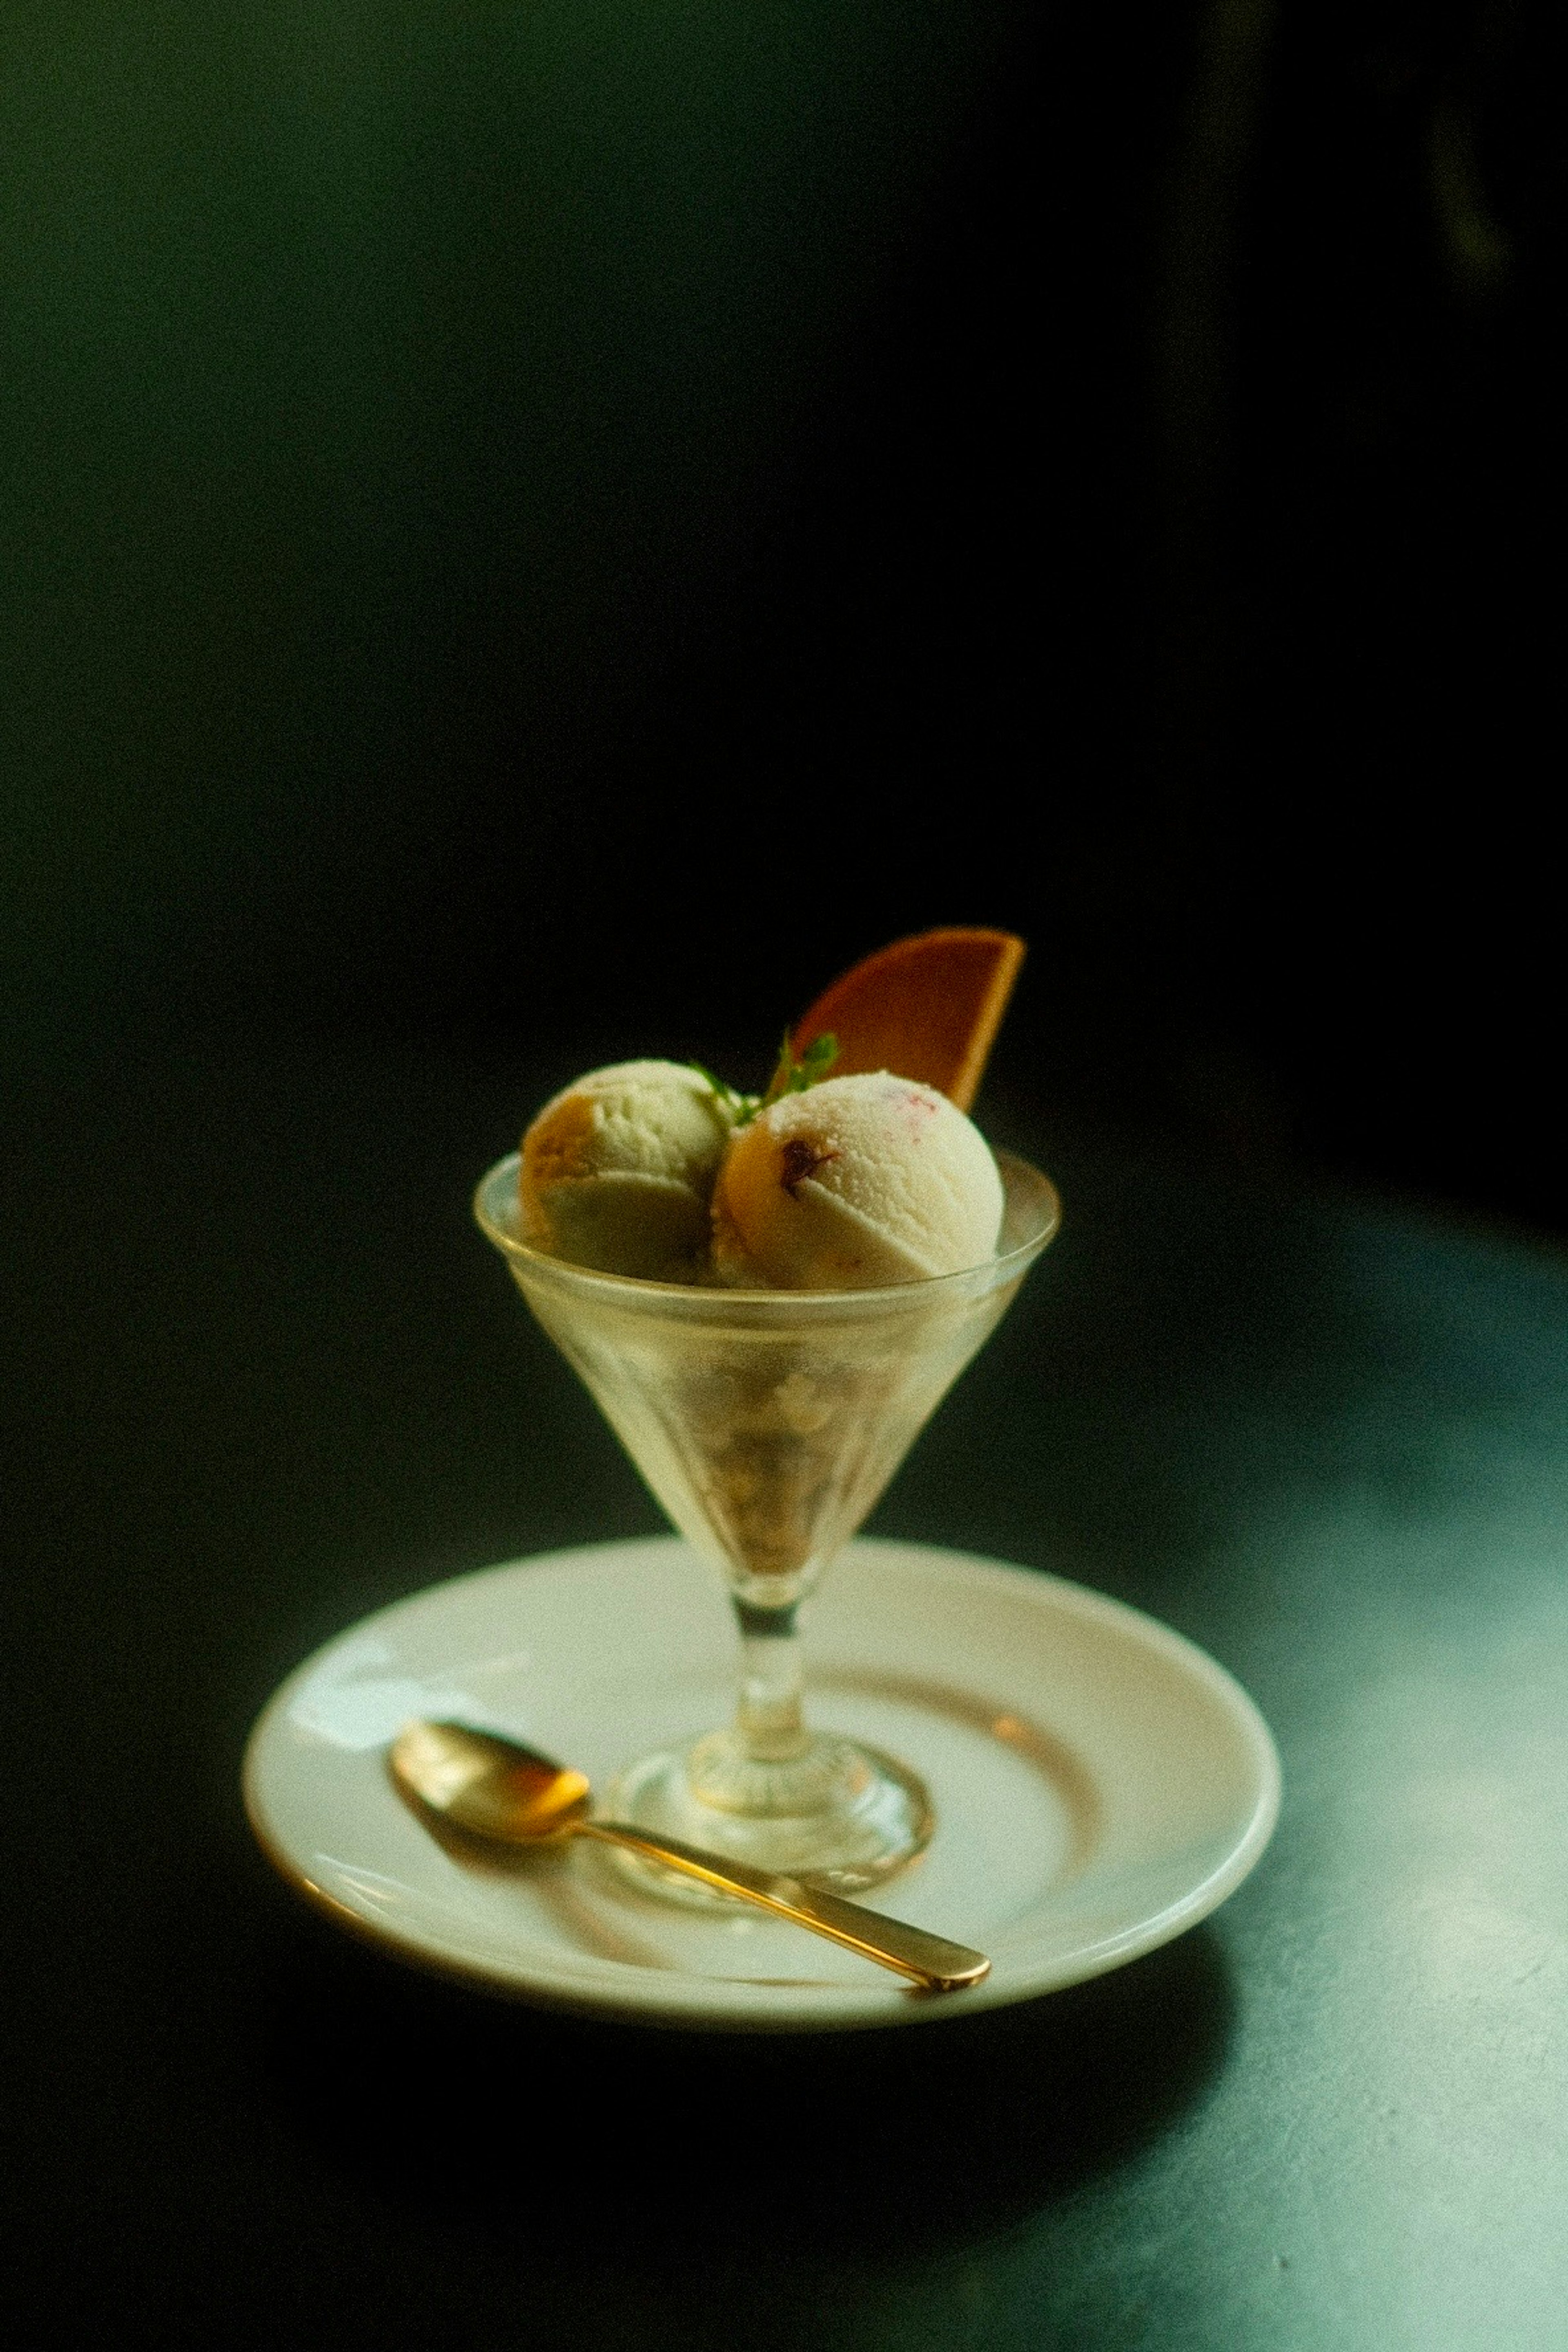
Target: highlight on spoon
[(486, 1783)]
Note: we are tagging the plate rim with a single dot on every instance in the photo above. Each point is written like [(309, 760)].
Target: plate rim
[(733, 2013)]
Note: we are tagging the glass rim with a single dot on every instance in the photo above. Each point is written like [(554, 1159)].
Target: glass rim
[(502, 1182)]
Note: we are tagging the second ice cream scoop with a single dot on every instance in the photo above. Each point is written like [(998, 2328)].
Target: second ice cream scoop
[(854, 1184)]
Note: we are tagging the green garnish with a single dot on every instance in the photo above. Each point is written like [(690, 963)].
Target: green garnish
[(793, 1075), (740, 1107)]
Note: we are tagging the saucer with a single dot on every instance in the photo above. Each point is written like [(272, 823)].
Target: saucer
[(1100, 1784)]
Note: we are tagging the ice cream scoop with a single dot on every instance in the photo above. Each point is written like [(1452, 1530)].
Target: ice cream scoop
[(854, 1183), (618, 1169)]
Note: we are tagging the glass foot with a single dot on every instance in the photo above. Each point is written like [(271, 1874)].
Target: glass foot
[(842, 1816)]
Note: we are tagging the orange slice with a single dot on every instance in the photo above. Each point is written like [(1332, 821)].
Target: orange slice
[(925, 1008)]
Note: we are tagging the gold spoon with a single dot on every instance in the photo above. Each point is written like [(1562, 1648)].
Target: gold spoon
[(495, 1789)]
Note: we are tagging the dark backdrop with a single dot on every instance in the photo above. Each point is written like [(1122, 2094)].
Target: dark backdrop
[(563, 526), (536, 530)]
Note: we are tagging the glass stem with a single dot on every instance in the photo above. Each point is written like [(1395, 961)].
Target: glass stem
[(769, 1722)]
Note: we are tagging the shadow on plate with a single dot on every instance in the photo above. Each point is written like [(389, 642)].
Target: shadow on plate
[(914, 2137)]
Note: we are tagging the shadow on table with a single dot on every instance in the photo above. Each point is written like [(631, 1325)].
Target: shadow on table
[(447, 2100)]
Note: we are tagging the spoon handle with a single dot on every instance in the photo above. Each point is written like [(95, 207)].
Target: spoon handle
[(929, 1960)]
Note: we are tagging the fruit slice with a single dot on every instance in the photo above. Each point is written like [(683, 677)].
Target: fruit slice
[(925, 1008)]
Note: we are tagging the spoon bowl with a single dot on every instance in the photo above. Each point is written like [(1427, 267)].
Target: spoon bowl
[(491, 1786)]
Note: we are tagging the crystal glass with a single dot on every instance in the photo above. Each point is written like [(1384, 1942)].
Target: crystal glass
[(767, 1423)]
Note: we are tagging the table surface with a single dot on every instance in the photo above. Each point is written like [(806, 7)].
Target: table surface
[(264, 1377)]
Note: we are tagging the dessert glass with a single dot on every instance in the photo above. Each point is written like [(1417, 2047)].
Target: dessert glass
[(767, 1423)]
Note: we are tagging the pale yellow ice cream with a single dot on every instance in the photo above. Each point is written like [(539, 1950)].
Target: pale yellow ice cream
[(618, 1169), (854, 1183)]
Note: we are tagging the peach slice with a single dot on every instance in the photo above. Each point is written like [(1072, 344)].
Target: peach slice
[(925, 1008)]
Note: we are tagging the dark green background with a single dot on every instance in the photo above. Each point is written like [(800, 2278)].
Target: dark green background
[(505, 507), (520, 521), (388, 390)]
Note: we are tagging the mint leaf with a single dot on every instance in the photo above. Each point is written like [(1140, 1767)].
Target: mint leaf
[(792, 1077), (740, 1107)]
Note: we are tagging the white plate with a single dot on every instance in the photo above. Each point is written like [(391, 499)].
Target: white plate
[(1100, 1784)]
